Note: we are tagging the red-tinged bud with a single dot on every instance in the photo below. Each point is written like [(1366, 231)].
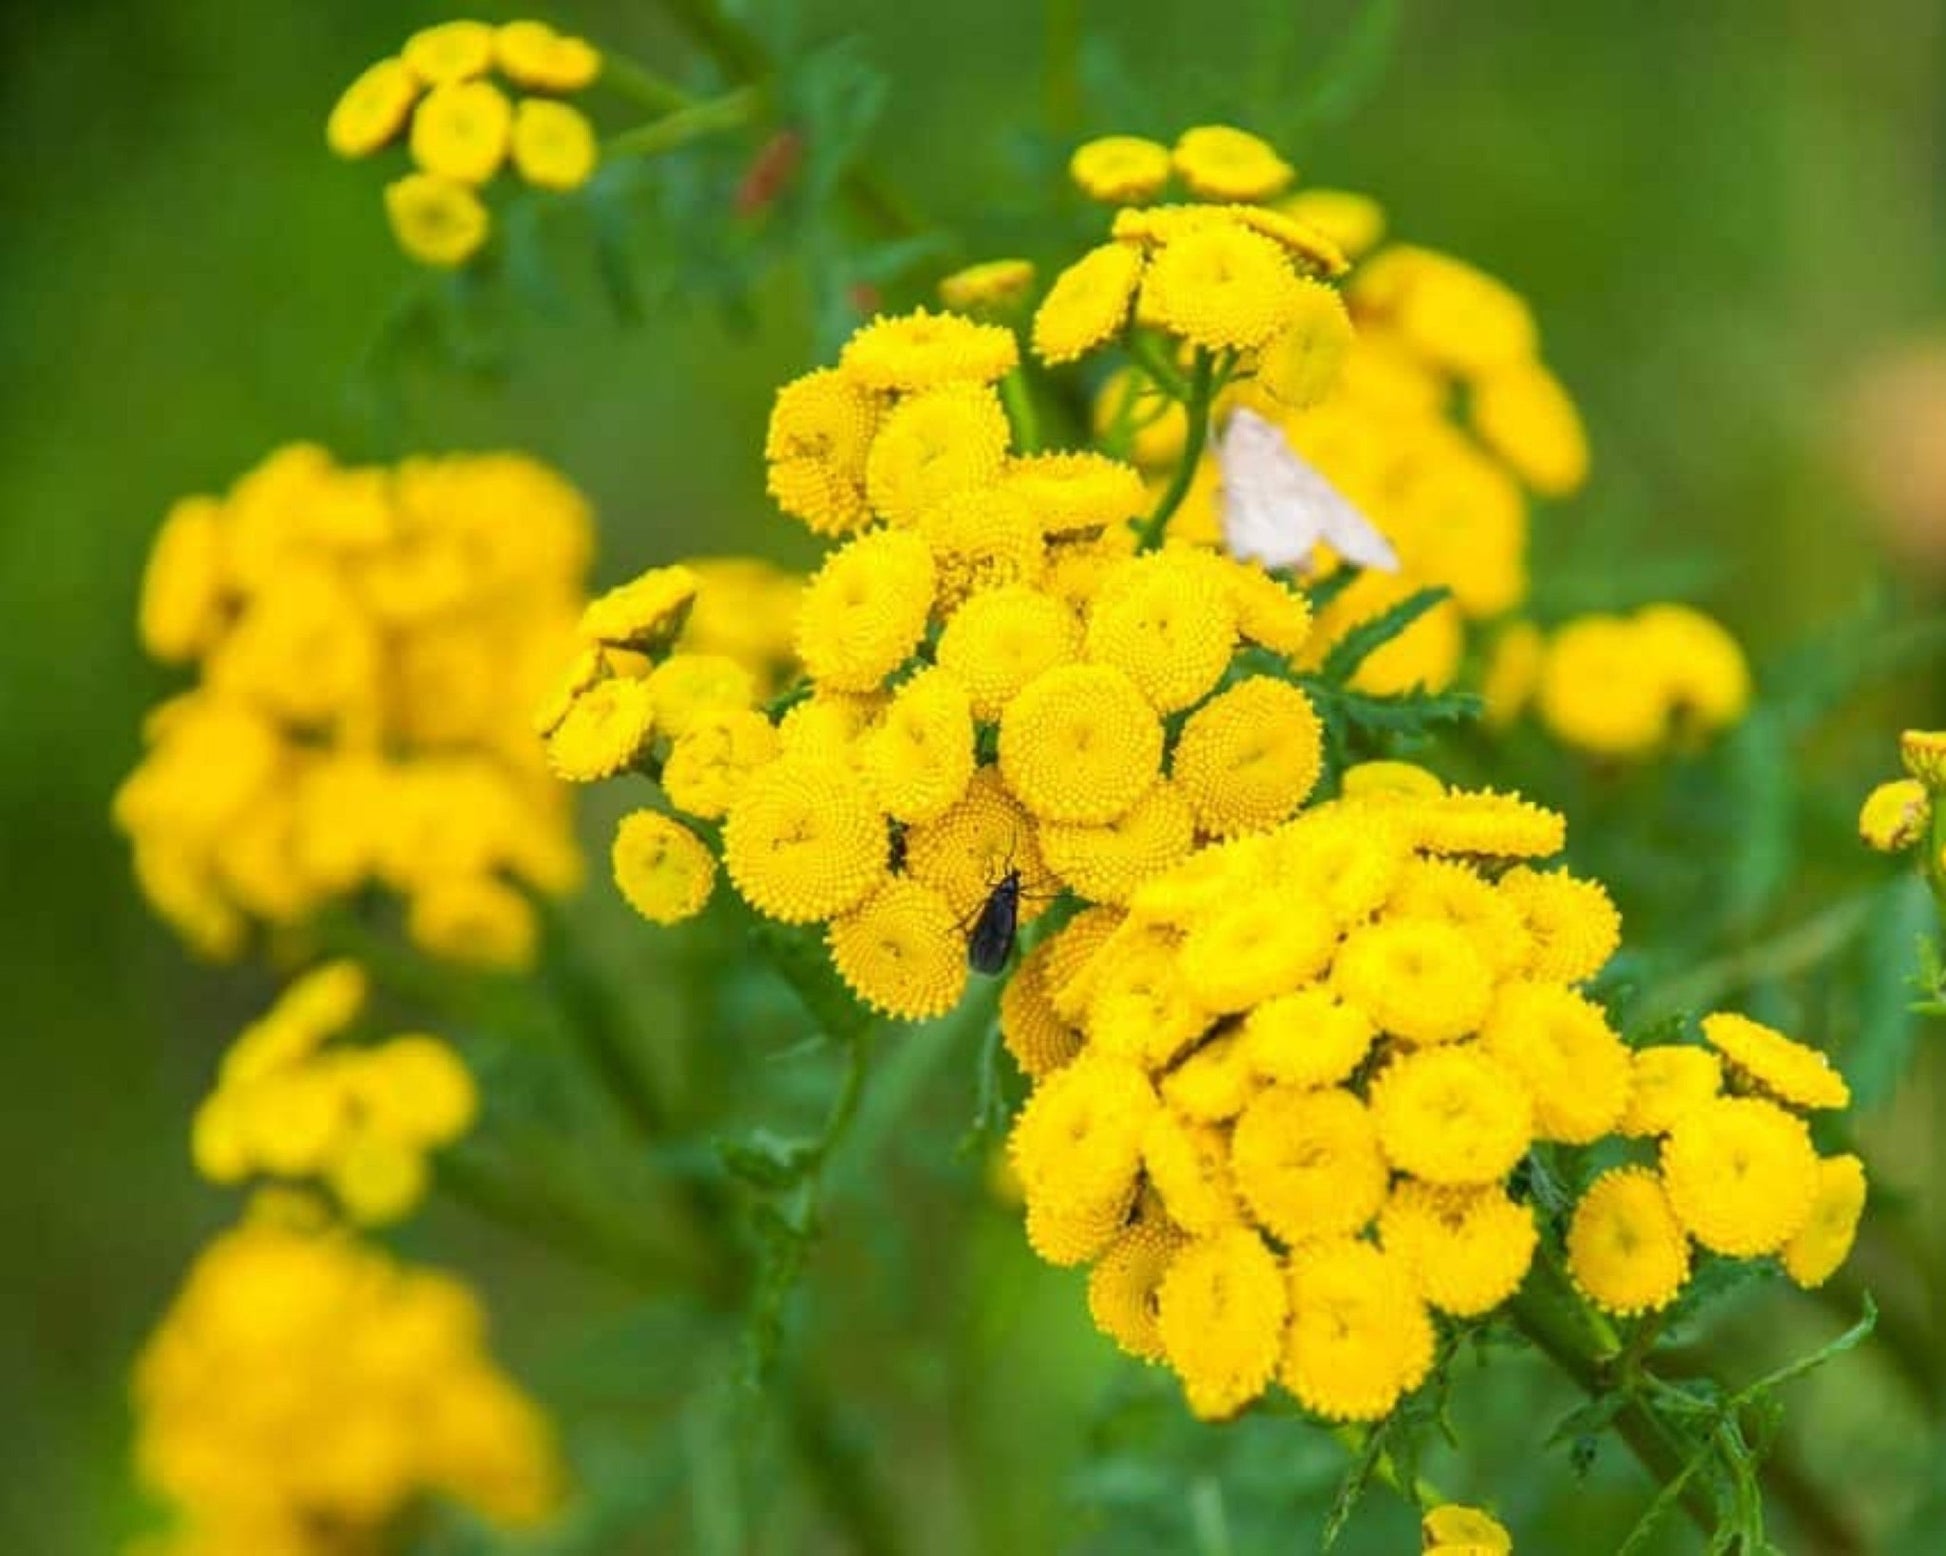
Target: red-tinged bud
[(769, 173)]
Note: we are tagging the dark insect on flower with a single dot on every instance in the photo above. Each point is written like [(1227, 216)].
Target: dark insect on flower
[(992, 939)]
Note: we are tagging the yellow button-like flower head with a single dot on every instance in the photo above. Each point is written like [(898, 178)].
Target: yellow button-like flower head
[(902, 951), (1626, 1250), (1741, 1175), (939, 444), (821, 430), (1222, 163), (1468, 1248), (1120, 169), (922, 350), (805, 841), (1221, 287), (553, 144), (461, 131), (372, 110), (450, 51), (1080, 743), (1220, 1314), (437, 221), (1452, 1114), (1360, 1336), (532, 54), (993, 285), (1088, 303), (1894, 816), (1812, 1257), (1249, 756), (1792, 1072), (663, 869), (866, 609)]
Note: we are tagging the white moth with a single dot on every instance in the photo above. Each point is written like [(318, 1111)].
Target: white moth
[(1277, 507)]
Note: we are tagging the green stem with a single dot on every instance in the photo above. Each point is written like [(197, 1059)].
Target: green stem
[(1149, 356), (1063, 65), (641, 86), (596, 1019), (1202, 383), (1018, 397), (1421, 1493), (693, 122)]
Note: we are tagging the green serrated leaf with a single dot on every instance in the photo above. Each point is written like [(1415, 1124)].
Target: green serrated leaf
[(1586, 1420), (767, 1161), (1369, 636)]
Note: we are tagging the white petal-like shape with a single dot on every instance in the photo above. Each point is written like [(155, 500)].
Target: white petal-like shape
[(1276, 506)]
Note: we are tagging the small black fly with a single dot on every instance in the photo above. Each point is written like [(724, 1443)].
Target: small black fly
[(992, 941)]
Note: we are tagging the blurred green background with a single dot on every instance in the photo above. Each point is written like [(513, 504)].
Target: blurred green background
[(1720, 213)]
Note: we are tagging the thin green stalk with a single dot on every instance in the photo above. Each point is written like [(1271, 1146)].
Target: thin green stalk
[(1017, 395), (1202, 389), (596, 1019), (1149, 356), (643, 87), (1063, 66), (696, 121)]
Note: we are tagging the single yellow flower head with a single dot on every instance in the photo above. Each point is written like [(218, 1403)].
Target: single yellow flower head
[(1120, 169), (1071, 952), (902, 951), (1703, 668), (1214, 1083), (1168, 622), (1452, 892), (605, 729), (450, 51), (377, 1180), (553, 144), (1125, 1282), (1390, 778), (1307, 1163), (1298, 367), (687, 688), (1186, 1165), (982, 539), (1222, 287), (1468, 1248), (1571, 923), (1360, 1337), (1500, 826), (1221, 163), (437, 221), (533, 55), (938, 444), (1306, 1038), (1000, 639), (1666, 1081), (1249, 756), (1524, 415), (1794, 1073), (825, 725), (1077, 1142), (995, 285), (1626, 1250), (1312, 250), (1254, 948), (1270, 613), (805, 841), (1452, 1114), (1037, 1035), (714, 757), (474, 919), (1575, 1068), (1422, 980), (1107, 863), (821, 430), (922, 350), (1599, 691), (1075, 492), (1456, 317), (918, 760), (372, 110), (589, 665), (970, 849), (1923, 754), (184, 586), (1080, 744), (1349, 857), (1355, 222), (415, 1089), (1895, 815), (1088, 304), (645, 614), (1741, 1175), (1139, 1005), (1458, 1530), (865, 610), (1812, 1257), (461, 131), (1220, 1313)]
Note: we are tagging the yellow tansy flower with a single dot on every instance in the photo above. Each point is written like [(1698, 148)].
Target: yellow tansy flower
[(1468, 1249), (437, 221), (1000, 639), (993, 284), (714, 756), (968, 851), (450, 51), (1253, 949), (1306, 1038), (1923, 754), (1571, 923), (1895, 815), (461, 131), (1792, 1072), (644, 614), (821, 429), (553, 144), (372, 110), (1088, 303), (1458, 1530), (1108, 863), (1574, 1066), (1360, 1337), (918, 760), (184, 585), (605, 729), (1524, 415), (1665, 1082), (1124, 1284), (1222, 163), (805, 841), (1422, 980), (1452, 1114), (1626, 1250), (532, 54), (922, 350), (1249, 756), (1037, 1035), (1221, 287), (1080, 743), (902, 951), (1355, 222), (1741, 1175), (1220, 1314), (1119, 169), (1167, 621), (865, 610), (1812, 1257), (938, 444), (1299, 366), (1077, 491), (1307, 1163)]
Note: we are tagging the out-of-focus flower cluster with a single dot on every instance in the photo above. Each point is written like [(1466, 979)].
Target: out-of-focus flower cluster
[(360, 1119), (306, 1391), (438, 93), (1622, 687), (1453, 1529), (1900, 815), (366, 639), (1283, 1100)]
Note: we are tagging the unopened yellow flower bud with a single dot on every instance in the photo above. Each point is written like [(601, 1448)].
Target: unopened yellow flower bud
[(1895, 816), (1924, 753)]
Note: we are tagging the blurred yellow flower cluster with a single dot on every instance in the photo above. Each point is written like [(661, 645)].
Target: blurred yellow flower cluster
[(1623, 687), (1420, 395), (366, 639), (362, 1119), (1454, 1529), (1282, 1095), (462, 129), (305, 1391)]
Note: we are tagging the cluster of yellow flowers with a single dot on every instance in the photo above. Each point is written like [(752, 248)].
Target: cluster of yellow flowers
[(1622, 687), (365, 639), (305, 1391), (1899, 815), (363, 1119), (1280, 1095), (1369, 388), (462, 128)]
